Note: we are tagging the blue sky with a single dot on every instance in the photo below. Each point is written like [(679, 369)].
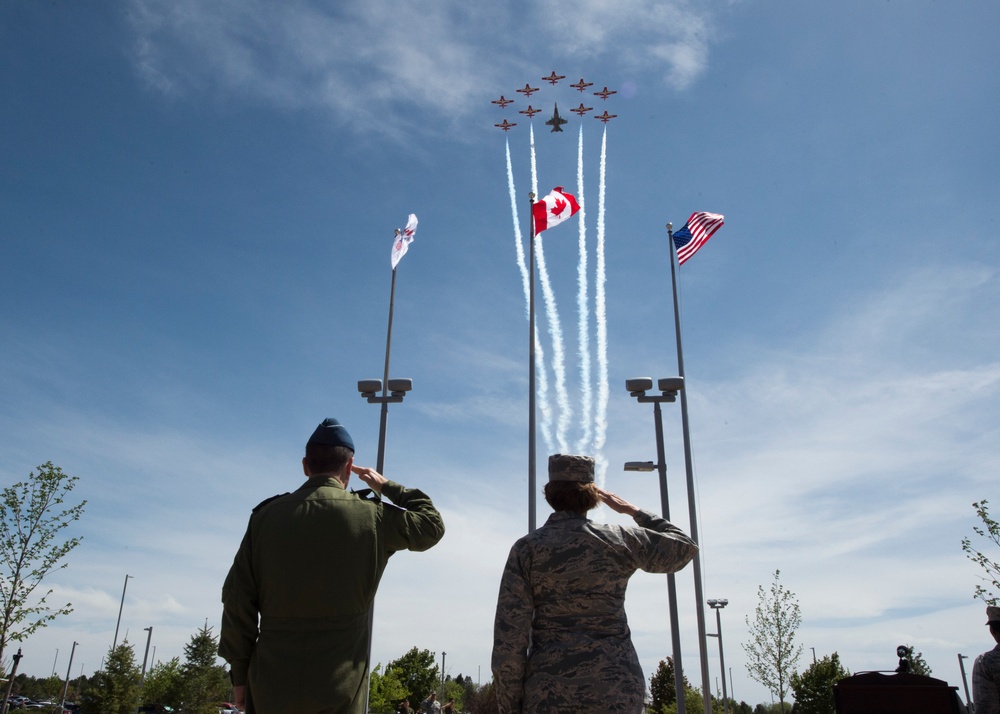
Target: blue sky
[(197, 208)]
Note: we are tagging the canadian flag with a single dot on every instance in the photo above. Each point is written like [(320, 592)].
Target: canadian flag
[(402, 241), (554, 209)]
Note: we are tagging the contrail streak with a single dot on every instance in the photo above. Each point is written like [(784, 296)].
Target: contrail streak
[(601, 315), (540, 372), (558, 350), (541, 376), (583, 325)]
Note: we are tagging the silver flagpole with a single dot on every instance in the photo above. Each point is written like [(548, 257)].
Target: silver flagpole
[(531, 369), (692, 508)]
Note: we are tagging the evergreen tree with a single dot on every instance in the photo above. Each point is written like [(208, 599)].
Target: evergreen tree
[(205, 681), (662, 688), (813, 688), (771, 652), (115, 690)]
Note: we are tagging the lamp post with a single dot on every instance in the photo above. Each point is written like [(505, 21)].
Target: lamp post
[(145, 657), (717, 605), (443, 653), (669, 386), (961, 666), (62, 699), (120, 607), (10, 680)]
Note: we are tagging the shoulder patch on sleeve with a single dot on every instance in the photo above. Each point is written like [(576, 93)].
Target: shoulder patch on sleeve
[(267, 501), (367, 494)]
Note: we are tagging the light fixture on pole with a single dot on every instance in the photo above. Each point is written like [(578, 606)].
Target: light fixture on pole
[(145, 657), (62, 698), (717, 605), (961, 666), (668, 387), (120, 607), (441, 696)]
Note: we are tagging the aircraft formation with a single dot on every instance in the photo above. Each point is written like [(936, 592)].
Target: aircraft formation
[(556, 121)]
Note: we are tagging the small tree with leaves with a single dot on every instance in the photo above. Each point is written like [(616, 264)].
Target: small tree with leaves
[(384, 691), (32, 515), (771, 652), (417, 672), (991, 532), (164, 684), (813, 688)]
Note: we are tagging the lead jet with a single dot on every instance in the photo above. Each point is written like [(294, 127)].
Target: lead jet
[(605, 93), (529, 90), (502, 101), (581, 85), (556, 121), (553, 78), (605, 117), (581, 110), (530, 111), (506, 126)]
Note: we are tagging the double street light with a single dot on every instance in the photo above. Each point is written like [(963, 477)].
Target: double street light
[(717, 605), (393, 391), (668, 388)]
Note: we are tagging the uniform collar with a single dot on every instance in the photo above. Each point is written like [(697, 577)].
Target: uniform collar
[(321, 480), (566, 517)]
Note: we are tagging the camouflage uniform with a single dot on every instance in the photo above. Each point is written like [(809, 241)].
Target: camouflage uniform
[(986, 682), (309, 566), (561, 638)]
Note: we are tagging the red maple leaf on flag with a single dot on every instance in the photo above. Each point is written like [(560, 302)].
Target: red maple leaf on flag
[(558, 207)]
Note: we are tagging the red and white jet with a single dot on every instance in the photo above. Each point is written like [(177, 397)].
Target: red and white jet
[(581, 85), (581, 110), (553, 78), (506, 126), (530, 111), (605, 93), (502, 101), (605, 117), (528, 90)]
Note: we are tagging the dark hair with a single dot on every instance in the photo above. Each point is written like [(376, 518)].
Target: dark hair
[(326, 458), (995, 627), (571, 496)]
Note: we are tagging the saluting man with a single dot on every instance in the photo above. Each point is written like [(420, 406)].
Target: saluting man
[(986, 670), (297, 598)]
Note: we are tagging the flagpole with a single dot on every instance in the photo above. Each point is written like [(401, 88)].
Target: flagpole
[(531, 369), (385, 378), (692, 509)]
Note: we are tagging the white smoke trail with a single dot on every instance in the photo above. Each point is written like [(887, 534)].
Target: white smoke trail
[(541, 376), (586, 396), (601, 315)]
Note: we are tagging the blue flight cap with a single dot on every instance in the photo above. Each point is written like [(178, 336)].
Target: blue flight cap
[(331, 433)]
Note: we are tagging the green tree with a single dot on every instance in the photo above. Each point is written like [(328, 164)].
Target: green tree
[(813, 688), (164, 684), (205, 681), (385, 691), (771, 652), (417, 672), (453, 689), (32, 515), (115, 690), (991, 532), (918, 665), (483, 700), (662, 688)]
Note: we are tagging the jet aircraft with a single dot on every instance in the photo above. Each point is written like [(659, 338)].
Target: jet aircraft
[(605, 93), (553, 78), (530, 111), (502, 101), (581, 110), (581, 85), (605, 117), (556, 121), (506, 125), (529, 90)]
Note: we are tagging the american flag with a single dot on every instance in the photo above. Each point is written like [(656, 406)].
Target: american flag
[(695, 233)]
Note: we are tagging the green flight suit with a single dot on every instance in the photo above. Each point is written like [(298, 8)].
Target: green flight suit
[(309, 566)]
